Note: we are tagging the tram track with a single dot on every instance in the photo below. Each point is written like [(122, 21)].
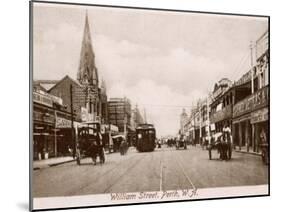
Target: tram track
[(180, 170), (107, 189), (187, 177), (102, 175)]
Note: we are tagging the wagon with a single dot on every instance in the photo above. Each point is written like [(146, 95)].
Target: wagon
[(90, 143), (181, 143)]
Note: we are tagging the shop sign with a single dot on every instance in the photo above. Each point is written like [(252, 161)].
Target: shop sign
[(255, 101), (62, 123), (84, 114), (259, 116), (213, 127), (43, 117), (242, 118), (42, 99)]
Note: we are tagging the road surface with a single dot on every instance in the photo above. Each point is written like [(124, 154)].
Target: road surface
[(163, 169)]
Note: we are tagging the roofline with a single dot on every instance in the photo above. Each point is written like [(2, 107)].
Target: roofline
[(65, 77)]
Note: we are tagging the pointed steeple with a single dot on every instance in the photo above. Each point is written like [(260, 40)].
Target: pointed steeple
[(87, 73)]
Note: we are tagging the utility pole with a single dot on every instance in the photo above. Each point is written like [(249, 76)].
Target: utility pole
[(72, 126), (252, 68)]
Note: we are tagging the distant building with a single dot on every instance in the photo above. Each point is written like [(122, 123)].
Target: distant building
[(183, 121), (221, 105), (119, 113)]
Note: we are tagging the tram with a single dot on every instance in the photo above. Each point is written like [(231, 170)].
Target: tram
[(145, 138)]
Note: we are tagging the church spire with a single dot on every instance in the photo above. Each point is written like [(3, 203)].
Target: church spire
[(87, 73)]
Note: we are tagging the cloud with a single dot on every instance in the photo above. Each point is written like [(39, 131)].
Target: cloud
[(129, 62)]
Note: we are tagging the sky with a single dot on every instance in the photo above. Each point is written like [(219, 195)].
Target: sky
[(163, 61)]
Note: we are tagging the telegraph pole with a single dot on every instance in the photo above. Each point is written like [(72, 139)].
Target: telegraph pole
[(72, 125)]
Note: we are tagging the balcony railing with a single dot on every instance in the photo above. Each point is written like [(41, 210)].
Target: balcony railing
[(220, 115)]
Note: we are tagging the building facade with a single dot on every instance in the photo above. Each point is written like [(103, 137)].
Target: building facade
[(221, 105), (119, 113), (51, 126), (250, 113)]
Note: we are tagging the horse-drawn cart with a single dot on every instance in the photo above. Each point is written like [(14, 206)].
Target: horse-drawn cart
[(222, 143), (90, 143)]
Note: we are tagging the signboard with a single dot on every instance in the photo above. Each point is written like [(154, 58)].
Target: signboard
[(46, 99), (241, 118), (213, 127), (43, 117), (88, 117), (62, 123), (253, 102), (259, 116), (42, 99), (84, 114)]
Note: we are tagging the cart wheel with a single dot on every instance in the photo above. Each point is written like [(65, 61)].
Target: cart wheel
[(78, 160), (78, 157), (210, 154), (102, 160), (264, 157), (229, 152)]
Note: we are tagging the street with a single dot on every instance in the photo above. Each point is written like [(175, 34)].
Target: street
[(164, 169)]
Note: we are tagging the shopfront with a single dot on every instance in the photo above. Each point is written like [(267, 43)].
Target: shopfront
[(43, 132), (250, 120), (259, 120)]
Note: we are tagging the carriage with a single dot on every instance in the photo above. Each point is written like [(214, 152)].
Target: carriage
[(146, 137), (181, 143), (222, 143), (90, 143)]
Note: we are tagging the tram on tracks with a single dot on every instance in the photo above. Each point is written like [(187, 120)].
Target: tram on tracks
[(145, 138)]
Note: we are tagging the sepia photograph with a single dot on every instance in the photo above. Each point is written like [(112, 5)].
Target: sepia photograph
[(141, 105)]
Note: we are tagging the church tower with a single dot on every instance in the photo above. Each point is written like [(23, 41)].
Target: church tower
[(87, 74)]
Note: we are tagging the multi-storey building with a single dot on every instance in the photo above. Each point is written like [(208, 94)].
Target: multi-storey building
[(119, 113), (221, 105), (51, 126), (250, 111)]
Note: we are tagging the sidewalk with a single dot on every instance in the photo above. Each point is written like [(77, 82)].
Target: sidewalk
[(244, 150), (39, 164)]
